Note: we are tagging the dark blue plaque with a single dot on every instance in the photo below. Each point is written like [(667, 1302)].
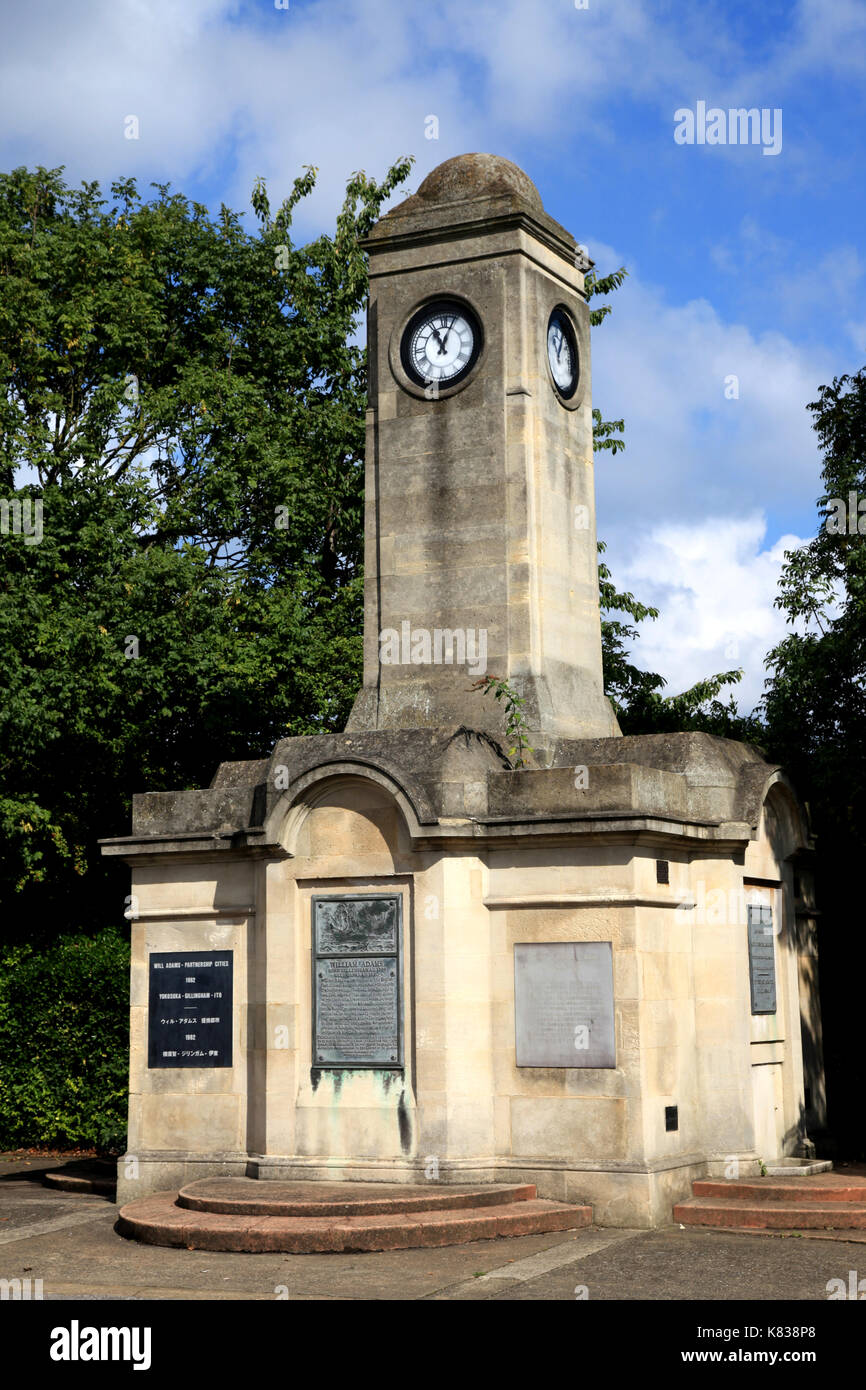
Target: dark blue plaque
[(762, 959), (190, 1009)]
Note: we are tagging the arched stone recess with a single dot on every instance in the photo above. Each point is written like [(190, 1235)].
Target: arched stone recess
[(347, 829), (321, 785), (783, 821)]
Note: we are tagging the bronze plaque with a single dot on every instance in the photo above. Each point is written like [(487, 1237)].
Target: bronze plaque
[(762, 959), (357, 981)]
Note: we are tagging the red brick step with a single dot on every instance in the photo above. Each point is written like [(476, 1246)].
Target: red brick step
[(253, 1197), (778, 1216), (159, 1220), (821, 1187)]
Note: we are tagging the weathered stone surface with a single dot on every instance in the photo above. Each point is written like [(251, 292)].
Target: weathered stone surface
[(501, 450), (457, 770), (776, 1216), (250, 1197), (816, 1187), (473, 188), (158, 1220)]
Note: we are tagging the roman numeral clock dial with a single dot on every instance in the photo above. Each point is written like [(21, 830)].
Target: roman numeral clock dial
[(562, 353), (441, 343)]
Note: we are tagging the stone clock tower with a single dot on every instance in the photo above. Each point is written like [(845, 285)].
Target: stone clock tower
[(394, 954), (480, 523)]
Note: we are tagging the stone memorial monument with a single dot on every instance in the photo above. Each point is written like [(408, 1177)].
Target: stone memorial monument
[(396, 954)]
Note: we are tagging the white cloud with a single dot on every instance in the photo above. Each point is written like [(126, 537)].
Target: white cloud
[(829, 35), (692, 452), (691, 512), (348, 84), (714, 582)]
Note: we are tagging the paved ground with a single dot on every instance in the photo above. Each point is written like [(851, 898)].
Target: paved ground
[(68, 1241)]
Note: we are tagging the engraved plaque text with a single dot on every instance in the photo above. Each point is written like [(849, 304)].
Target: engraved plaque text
[(189, 1019), (762, 959), (357, 974)]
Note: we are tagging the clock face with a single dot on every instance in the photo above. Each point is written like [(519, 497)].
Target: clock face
[(441, 343), (562, 353)]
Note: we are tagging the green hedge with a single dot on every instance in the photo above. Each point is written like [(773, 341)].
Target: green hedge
[(64, 1042)]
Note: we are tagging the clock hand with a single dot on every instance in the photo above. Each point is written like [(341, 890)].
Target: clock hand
[(447, 330)]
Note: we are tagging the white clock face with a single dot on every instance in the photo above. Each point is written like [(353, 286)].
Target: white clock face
[(441, 343), (562, 353)]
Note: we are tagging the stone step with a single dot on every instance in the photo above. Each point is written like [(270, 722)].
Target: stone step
[(100, 1178), (771, 1215), (798, 1167), (825, 1187), (253, 1197), (158, 1220)]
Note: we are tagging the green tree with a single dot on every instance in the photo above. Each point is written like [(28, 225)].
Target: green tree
[(815, 709), (815, 704), (186, 399)]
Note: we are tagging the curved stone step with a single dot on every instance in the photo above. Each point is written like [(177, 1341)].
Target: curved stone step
[(158, 1220), (823, 1187), (775, 1215), (94, 1178), (252, 1197)]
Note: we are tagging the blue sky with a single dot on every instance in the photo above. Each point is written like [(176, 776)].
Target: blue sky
[(740, 264)]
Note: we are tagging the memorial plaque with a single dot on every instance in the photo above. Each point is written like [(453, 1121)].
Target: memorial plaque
[(190, 1009), (563, 1004), (762, 959), (357, 981)]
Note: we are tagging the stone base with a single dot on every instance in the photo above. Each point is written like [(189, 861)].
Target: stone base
[(624, 1196), (647, 845), (140, 1174), (798, 1167), (304, 1218), (748, 1165)]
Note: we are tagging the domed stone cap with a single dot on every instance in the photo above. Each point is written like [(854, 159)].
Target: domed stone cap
[(470, 176), (476, 189)]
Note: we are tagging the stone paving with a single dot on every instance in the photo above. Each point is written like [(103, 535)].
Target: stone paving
[(70, 1243)]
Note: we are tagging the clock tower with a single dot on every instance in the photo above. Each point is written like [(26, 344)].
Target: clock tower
[(423, 966), (480, 511)]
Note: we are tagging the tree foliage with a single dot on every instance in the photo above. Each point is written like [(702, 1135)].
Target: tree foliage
[(186, 397), (64, 1055), (815, 703), (815, 710)]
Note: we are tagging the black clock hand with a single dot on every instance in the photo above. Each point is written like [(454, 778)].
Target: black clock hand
[(447, 331)]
